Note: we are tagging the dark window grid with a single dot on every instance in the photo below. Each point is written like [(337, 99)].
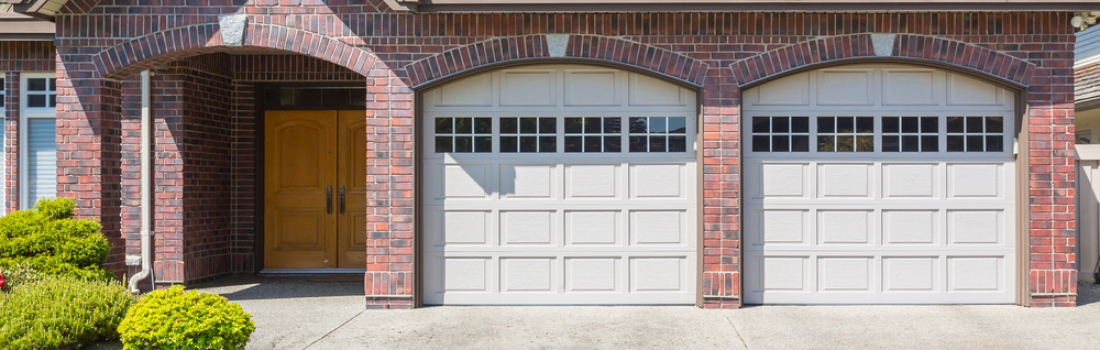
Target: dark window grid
[(859, 136), (457, 140), (530, 135), (3, 93), (971, 134), (786, 139), (41, 92), (657, 134), (593, 134), (910, 133)]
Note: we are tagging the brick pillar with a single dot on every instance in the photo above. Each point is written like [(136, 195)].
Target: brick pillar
[(89, 151)]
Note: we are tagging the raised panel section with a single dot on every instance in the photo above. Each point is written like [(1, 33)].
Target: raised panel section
[(783, 226), (975, 273), (975, 227), (590, 88), (299, 229), (474, 91), (656, 274), (783, 180), (465, 274), (966, 91), (656, 227), (783, 273), (592, 180), (790, 91), (908, 88), (844, 227), (904, 274), (656, 180), (844, 88), (909, 226), (527, 227), (592, 274), (844, 274), (528, 89), (592, 227), (465, 227), (526, 275), (974, 180), (467, 180), (845, 180), (647, 91), (531, 181), (908, 180)]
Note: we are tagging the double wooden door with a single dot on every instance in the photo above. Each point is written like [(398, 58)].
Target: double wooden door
[(315, 165)]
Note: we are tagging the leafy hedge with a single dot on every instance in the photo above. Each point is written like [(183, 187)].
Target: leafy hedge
[(173, 319), (48, 240), (61, 313)]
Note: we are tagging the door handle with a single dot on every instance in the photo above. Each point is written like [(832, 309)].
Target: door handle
[(341, 199), (328, 200)]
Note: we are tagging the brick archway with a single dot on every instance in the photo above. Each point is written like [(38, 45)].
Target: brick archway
[(916, 48), (493, 53), (161, 47)]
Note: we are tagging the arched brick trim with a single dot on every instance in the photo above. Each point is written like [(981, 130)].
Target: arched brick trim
[(936, 50), (486, 54), (162, 47), (78, 6)]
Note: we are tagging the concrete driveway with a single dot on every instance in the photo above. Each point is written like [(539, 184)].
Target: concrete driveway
[(328, 313)]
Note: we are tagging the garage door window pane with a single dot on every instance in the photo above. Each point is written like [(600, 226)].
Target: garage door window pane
[(528, 135), (975, 134), (910, 134), (845, 134), (593, 135), (779, 134), (463, 135)]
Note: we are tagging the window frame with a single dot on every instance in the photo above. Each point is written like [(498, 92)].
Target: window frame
[(3, 143), (25, 114)]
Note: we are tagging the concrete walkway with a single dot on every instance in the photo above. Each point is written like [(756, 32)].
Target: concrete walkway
[(328, 313)]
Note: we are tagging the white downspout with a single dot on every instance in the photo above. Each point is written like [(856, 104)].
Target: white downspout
[(146, 186)]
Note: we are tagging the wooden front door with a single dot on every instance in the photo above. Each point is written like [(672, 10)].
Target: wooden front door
[(314, 189)]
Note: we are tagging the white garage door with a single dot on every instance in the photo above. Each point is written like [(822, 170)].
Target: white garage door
[(879, 185), (559, 185)]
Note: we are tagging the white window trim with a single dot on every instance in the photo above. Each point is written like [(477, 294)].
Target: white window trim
[(24, 114), (3, 144)]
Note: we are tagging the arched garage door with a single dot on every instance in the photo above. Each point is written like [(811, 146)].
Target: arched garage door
[(559, 185), (878, 184)]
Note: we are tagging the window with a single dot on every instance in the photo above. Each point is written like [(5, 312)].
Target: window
[(3, 144), (463, 135), (658, 134), (975, 134), (593, 134), (38, 101), (845, 134), (780, 134), (910, 134), (528, 135)]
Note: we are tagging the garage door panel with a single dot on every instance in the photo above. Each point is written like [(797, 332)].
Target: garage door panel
[(648, 91), (975, 180), (593, 228), (469, 274), (528, 181), (782, 180), (594, 275), (472, 92), (593, 180), (454, 228), (658, 228), (666, 274), (845, 227), (845, 87), (528, 228), (848, 274), (529, 88), (781, 273), (845, 180), (526, 275), (969, 227), (911, 274), (591, 88), (465, 181), (975, 273), (657, 180), (910, 87), (781, 227), (967, 91), (790, 91), (905, 180), (911, 227)]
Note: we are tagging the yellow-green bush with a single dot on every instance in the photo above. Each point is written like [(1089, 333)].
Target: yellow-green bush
[(174, 319), (48, 240), (61, 313)]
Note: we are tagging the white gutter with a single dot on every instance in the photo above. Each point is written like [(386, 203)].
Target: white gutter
[(146, 186)]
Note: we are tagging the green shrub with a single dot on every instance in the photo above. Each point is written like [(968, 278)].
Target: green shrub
[(173, 319), (18, 274), (48, 240), (61, 313)]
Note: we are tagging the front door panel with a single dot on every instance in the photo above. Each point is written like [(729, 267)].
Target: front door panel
[(300, 167), (352, 245)]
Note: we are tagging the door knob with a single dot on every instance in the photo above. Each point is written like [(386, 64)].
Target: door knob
[(328, 199), (341, 199)]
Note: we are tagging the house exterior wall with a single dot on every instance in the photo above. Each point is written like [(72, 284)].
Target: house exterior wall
[(101, 43)]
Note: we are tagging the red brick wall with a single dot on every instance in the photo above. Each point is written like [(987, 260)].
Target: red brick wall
[(719, 52)]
